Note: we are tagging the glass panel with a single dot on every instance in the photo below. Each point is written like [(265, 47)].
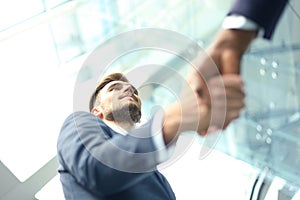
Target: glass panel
[(66, 34), (15, 11)]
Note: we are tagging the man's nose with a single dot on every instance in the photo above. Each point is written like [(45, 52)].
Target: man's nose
[(128, 89)]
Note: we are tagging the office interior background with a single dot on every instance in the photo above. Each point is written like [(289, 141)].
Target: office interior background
[(43, 44)]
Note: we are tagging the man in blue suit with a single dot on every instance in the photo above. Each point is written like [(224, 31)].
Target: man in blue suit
[(103, 155)]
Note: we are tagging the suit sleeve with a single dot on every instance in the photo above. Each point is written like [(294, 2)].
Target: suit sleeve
[(266, 13), (99, 159)]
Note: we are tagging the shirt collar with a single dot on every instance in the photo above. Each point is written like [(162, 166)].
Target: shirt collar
[(117, 129)]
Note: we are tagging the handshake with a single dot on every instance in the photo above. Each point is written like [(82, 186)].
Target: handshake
[(214, 94), (209, 101)]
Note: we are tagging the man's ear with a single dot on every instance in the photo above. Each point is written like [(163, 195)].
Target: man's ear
[(97, 112)]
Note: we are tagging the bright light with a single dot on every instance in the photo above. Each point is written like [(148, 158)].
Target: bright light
[(52, 190)]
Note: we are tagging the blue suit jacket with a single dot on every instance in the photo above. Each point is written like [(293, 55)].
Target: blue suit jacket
[(265, 13), (98, 163)]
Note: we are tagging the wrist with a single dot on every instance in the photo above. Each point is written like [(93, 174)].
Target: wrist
[(175, 123), (235, 40), (171, 123)]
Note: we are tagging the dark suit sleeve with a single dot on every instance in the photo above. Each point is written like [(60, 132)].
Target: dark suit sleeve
[(265, 13), (101, 160)]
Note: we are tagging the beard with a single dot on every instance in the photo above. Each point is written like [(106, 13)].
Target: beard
[(128, 113)]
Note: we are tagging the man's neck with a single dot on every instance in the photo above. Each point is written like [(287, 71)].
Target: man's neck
[(124, 125)]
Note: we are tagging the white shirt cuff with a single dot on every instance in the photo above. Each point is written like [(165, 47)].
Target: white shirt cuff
[(164, 152), (241, 22)]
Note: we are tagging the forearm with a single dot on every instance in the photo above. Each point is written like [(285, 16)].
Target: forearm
[(185, 116), (233, 40), (229, 47)]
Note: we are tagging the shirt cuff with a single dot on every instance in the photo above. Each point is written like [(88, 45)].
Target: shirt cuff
[(164, 152), (241, 22)]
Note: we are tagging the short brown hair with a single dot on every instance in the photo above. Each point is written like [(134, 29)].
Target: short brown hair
[(107, 79)]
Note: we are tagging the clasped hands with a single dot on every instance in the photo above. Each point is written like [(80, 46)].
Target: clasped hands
[(214, 95), (220, 99), (209, 101), (204, 106)]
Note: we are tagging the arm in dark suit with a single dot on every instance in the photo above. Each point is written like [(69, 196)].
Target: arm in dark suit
[(265, 13), (100, 159)]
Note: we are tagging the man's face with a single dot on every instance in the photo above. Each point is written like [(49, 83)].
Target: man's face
[(119, 101)]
